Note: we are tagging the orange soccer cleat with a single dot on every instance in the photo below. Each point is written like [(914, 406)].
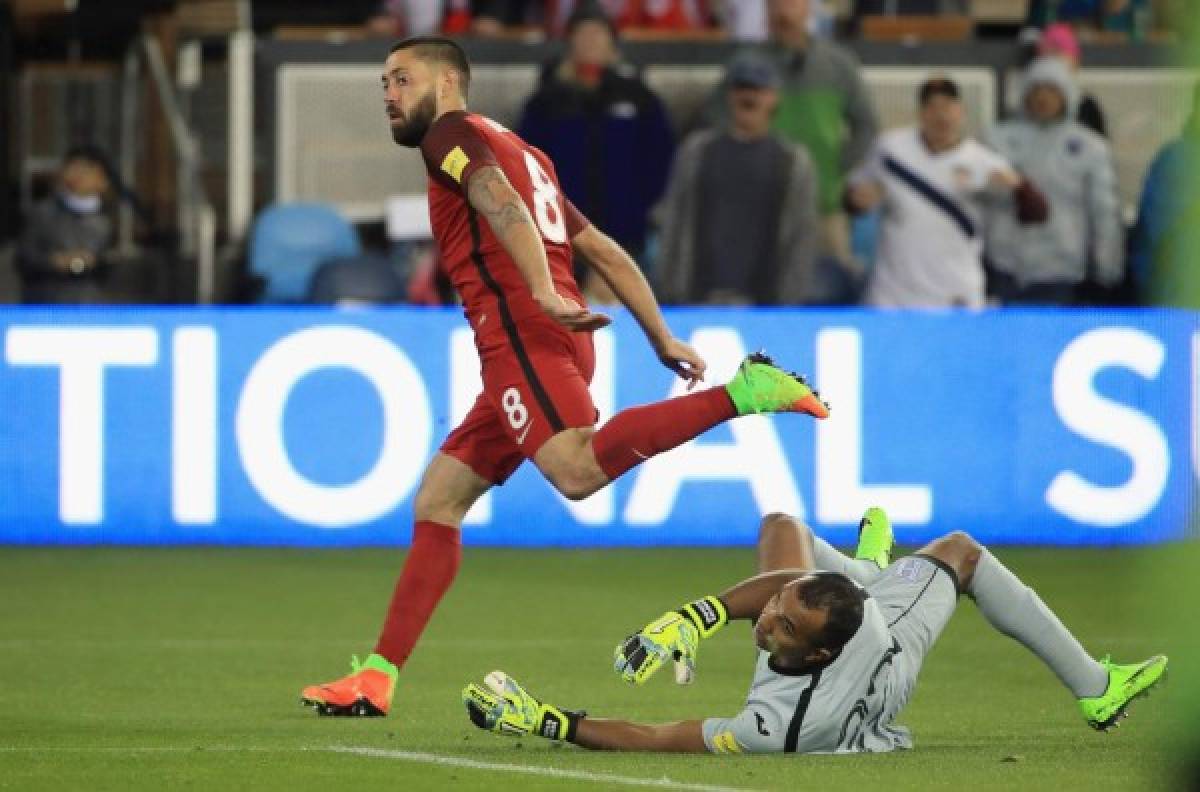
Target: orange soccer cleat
[(365, 692)]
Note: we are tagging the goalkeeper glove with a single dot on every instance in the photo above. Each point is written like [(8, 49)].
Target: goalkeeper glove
[(504, 707), (673, 636)]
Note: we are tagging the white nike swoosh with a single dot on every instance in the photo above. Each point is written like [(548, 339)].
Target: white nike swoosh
[(521, 437)]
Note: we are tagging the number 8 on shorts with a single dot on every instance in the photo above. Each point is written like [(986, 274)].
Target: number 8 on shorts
[(518, 414)]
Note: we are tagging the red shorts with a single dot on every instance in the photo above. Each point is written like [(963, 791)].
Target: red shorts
[(535, 384)]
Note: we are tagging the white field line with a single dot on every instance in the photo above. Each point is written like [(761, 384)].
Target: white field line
[(382, 753), (551, 772), (144, 749)]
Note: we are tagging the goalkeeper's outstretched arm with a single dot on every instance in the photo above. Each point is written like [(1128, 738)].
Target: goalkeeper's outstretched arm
[(618, 735), (501, 705)]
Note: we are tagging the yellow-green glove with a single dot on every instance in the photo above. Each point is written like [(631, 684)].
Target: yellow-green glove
[(673, 636), (502, 706)]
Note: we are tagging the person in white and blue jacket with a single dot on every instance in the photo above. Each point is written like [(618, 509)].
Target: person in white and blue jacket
[(1082, 240)]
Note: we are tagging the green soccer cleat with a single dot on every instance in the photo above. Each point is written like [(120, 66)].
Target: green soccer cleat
[(502, 706), (762, 387), (875, 538), (1125, 683)]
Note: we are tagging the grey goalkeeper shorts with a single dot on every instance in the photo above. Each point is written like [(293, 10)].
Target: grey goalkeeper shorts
[(917, 596)]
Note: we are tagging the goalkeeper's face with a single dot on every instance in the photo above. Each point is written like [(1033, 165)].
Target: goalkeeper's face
[(791, 630)]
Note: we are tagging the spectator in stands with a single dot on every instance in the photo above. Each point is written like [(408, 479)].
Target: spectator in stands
[(606, 131), (1123, 16), (910, 8), (399, 18), (665, 15), (1082, 240), (746, 20), (823, 105), (1165, 244), (930, 180), (491, 17), (1059, 41), (739, 221), (61, 252)]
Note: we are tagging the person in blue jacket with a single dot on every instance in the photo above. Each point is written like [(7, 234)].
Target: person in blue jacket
[(606, 131)]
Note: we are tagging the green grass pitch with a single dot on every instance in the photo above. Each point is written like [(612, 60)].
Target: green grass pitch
[(180, 668)]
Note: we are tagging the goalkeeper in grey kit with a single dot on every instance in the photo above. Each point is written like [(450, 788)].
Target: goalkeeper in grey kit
[(841, 641)]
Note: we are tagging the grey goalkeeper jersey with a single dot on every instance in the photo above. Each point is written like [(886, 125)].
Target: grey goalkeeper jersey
[(845, 706)]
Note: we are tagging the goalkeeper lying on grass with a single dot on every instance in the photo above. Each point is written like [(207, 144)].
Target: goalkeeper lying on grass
[(840, 649)]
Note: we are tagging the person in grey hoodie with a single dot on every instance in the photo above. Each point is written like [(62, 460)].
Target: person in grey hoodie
[(1083, 238), (825, 106), (738, 223)]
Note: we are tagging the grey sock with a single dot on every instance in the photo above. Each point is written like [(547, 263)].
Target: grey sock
[(1017, 611), (860, 571)]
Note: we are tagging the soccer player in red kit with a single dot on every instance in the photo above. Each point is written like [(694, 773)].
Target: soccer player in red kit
[(507, 235)]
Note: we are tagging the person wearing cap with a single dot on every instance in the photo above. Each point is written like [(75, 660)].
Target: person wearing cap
[(931, 181), (1082, 241), (823, 105), (606, 131), (739, 220), (61, 252)]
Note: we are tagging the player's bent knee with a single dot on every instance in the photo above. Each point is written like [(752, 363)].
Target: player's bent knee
[(964, 543), (573, 484), (773, 518), (575, 479), (775, 522), (574, 491), (960, 551)]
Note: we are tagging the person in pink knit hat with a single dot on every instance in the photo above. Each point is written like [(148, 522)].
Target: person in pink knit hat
[(1059, 41)]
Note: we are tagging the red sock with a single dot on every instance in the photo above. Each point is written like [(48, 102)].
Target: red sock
[(429, 570), (636, 434)]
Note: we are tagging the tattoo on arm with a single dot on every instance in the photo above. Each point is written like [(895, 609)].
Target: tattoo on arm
[(492, 196)]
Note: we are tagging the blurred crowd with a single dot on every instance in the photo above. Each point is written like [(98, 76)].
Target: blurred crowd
[(745, 20), (785, 192)]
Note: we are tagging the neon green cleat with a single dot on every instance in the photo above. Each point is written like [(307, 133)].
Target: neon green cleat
[(875, 538), (1125, 683), (762, 387)]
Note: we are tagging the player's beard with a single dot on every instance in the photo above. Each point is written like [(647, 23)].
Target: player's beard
[(412, 130)]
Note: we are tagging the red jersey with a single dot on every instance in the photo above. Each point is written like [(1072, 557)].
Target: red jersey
[(492, 289)]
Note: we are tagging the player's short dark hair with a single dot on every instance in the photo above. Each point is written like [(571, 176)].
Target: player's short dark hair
[(938, 86), (439, 49), (842, 600)]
